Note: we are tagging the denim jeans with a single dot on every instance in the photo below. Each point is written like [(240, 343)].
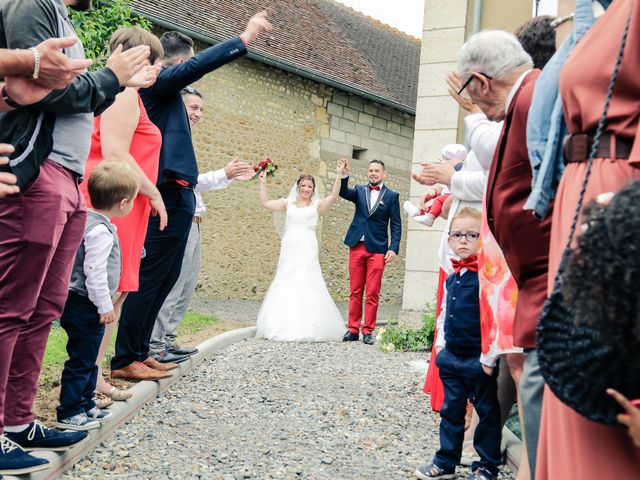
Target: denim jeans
[(546, 127)]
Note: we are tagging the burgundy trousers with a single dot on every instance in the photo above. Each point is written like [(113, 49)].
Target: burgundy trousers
[(365, 276), (40, 231)]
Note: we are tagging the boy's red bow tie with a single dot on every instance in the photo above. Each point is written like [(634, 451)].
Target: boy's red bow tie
[(374, 187), (470, 264)]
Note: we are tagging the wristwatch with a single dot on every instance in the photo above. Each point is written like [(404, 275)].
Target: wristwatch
[(8, 100)]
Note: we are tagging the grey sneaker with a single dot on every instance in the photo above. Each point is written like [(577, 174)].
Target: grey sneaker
[(79, 422), (99, 415), (480, 474), (425, 472)]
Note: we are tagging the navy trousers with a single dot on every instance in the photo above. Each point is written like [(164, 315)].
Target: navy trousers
[(81, 321), (159, 271), (463, 378)]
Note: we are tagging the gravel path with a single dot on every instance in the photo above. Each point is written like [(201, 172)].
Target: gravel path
[(263, 410)]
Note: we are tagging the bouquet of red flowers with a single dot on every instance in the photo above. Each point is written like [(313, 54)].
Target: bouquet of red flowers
[(265, 166)]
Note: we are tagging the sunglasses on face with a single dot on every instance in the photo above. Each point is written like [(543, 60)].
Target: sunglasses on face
[(190, 91), (466, 84)]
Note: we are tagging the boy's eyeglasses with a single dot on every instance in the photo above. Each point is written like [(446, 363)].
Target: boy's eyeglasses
[(470, 236), (466, 84)]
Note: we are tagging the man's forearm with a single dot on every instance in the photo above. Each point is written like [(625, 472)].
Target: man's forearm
[(16, 62)]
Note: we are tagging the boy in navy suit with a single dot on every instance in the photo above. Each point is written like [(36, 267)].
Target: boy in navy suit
[(377, 212), (465, 373)]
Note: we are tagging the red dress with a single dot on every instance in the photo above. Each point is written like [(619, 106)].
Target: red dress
[(432, 384), (570, 446), (132, 229)]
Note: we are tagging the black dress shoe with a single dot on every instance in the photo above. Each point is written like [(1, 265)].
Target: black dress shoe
[(350, 337), (367, 338), (178, 350), (167, 357)]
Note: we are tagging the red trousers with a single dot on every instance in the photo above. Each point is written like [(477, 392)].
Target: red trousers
[(40, 232), (365, 273)]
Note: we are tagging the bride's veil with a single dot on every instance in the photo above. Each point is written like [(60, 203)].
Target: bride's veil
[(279, 218)]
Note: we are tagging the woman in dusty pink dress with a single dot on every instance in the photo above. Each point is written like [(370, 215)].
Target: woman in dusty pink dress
[(571, 446)]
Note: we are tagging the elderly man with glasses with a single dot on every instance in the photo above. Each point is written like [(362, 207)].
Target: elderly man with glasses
[(499, 78)]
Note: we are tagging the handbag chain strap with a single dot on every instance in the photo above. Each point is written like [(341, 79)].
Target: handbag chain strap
[(592, 154)]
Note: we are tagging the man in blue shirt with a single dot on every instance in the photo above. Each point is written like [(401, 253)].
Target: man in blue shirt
[(177, 177)]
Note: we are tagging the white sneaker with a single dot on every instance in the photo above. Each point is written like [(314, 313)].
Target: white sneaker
[(426, 220), (411, 209), (79, 422)]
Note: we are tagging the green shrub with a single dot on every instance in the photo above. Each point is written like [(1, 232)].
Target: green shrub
[(96, 26), (398, 338)]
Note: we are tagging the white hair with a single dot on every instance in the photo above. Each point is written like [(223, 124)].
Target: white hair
[(495, 53)]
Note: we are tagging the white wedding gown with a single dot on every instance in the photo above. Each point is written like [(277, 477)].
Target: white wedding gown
[(298, 307)]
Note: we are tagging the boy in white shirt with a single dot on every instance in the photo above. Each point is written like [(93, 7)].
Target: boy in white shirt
[(94, 280)]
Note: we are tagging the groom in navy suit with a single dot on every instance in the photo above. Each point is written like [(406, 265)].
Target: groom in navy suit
[(377, 212)]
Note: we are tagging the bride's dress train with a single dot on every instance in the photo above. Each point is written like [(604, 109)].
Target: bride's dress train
[(297, 306)]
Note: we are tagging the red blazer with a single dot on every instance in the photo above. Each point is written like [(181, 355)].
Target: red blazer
[(524, 239)]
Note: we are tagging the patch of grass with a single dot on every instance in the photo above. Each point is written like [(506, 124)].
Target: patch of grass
[(194, 322), (397, 338), (56, 352)]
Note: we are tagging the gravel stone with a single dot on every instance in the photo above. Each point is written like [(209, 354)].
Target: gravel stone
[(269, 410)]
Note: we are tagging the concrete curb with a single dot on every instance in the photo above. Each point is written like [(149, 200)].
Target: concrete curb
[(514, 448), (143, 392)]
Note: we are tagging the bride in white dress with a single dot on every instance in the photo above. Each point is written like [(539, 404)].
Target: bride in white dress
[(298, 307)]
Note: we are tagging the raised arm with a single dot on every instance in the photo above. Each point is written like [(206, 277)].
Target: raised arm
[(325, 204), (279, 205), (347, 193), (175, 78), (117, 126)]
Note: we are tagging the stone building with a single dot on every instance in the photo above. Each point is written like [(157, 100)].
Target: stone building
[(326, 82)]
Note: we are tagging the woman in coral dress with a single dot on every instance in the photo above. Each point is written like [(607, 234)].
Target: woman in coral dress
[(570, 446), (124, 133)]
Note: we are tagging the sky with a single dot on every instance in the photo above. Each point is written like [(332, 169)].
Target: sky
[(408, 15), (405, 15)]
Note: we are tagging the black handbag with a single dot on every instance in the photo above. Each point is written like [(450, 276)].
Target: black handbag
[(576, 362)]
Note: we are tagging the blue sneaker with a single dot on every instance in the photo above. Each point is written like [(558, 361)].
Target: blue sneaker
[(99, 415), (15, 461), (37, 437)]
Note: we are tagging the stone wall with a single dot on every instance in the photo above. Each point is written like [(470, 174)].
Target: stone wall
[(254, 112)]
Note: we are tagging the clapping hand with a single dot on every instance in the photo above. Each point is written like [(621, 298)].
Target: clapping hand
[(433, 173), (125, 64), (56, 69), (257, 24), (145, 77), (237, 170), (7, 180)]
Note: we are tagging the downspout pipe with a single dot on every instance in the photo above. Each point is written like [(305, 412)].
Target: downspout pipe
[(477, 16), (286, 67)]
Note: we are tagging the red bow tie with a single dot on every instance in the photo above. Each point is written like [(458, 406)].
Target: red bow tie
[(374, 187), (470, 264)]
